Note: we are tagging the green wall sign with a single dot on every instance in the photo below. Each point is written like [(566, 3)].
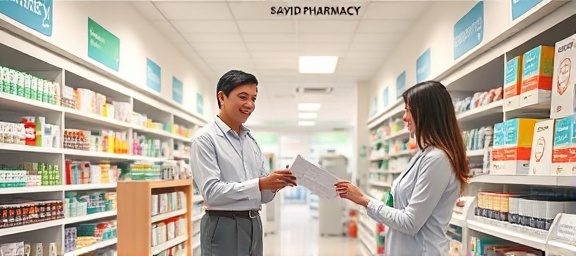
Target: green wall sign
[(103, 46)]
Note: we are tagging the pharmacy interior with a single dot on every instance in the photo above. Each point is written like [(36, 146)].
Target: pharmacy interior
[(98, 105)]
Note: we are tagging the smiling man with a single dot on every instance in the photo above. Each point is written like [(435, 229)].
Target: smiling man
[(231, 172)]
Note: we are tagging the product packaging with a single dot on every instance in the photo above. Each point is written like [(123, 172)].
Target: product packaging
[(537, 69), (563, 98), (541, 154)]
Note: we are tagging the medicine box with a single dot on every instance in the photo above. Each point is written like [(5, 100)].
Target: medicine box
[(564, 149), (563, 100), (537, 68), (541, 153), (513, 83), (497, 163)]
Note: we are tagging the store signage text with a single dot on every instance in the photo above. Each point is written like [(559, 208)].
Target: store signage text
[(520, 7), (469, 30), (315, 10), (153, 75), (103, 46), (34, 14)]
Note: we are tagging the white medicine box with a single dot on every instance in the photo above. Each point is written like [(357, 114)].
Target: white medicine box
[(563, 100), (564, 146), (512, 83), (542, 142)]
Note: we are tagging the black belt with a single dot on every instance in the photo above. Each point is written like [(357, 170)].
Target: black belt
[(251, 214)]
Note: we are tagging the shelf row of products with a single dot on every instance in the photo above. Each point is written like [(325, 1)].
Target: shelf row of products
[(142, 120), (28, 248), (477, 100), (534, 209), (88, 101), (478, 138), (17, 211), (169, 229), (106, 141), (29, 86), (78, 236), (393, 127), (86, 172), (480, 246), (29, 174), (85, 203), (31, 131), (168, 202)]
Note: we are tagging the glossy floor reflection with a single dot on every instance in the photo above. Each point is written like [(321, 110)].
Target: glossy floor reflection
[(298, 235)]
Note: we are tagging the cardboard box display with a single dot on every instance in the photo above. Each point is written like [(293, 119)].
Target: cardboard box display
[(542, 146), (513, 83), (563, 94), (537, 68)]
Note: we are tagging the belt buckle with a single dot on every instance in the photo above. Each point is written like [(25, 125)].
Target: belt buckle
[(252, 214)]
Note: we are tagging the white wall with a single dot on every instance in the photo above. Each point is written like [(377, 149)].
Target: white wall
[(138, 40), (435, 30)]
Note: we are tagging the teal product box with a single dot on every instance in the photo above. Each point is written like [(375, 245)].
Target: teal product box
[(499, 135)]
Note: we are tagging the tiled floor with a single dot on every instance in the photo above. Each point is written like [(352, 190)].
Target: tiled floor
[(298, 235)]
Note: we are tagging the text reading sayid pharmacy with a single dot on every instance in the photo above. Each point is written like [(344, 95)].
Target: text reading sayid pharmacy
[(315, 10)]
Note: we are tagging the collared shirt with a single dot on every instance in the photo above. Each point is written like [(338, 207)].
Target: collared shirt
[(226, 167), (424, 197)]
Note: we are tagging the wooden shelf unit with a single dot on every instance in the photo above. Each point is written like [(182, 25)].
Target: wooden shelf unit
[(135, 219)]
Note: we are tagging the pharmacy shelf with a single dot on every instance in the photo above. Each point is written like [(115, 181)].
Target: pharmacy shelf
[(95, 119), (458, 219), (161, 133), (167, 245), (31, 227), (148, 159), (168, 215), (475, 153), (96, 155), (90, 217), (32, 149), (78, 187), (523, 235), (34, 189), (400, 134), (93, 247), (21, 103), (491, 109), (407, 152), (534, 180)]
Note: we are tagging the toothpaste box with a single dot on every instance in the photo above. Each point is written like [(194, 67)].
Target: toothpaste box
[(563, 100), (513, 83), (537, 68), (541, 153)]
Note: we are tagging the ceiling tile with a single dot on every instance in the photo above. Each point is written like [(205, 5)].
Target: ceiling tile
[(378, 37), (267, 55), (393, 10), (270, 38), (325, 38), (148, 10), (225, 54), (384, 26), (175, 38), (214, 26), (217, 47), (266, 26), (255, 10), (194, 10), (164, 26), (213, 38), (363, 47), (323, 49), (272, 47), (366, 54), (327, 26)]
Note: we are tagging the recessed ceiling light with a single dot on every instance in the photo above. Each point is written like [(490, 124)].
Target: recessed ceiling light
[(309, 106), (306, 123), (317, 64), (308, 115)]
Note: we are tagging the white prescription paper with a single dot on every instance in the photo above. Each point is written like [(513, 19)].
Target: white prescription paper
[(318, 180)]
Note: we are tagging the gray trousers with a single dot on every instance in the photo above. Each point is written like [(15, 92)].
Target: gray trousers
[(226, 236)]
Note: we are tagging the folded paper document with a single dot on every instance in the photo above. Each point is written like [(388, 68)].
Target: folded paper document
[(318, 180)]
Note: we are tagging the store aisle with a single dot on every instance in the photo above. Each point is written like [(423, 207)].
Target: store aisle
[(298, 235)]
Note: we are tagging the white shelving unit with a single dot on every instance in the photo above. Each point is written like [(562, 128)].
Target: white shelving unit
[(26, 56), (482, 71)]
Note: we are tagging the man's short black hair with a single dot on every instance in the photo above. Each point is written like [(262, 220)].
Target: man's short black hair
[(233, 79)]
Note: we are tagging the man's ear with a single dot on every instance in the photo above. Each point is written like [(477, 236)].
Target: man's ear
[(221, 97)]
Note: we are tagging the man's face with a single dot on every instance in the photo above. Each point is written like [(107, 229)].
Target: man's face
[(241, 102)]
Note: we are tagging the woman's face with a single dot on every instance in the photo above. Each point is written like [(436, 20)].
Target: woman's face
[(408, 120)]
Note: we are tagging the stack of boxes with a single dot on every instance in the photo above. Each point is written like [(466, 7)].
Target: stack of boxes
[(512, 146)]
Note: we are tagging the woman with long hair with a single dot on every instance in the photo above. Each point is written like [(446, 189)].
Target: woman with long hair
[(424, 195)]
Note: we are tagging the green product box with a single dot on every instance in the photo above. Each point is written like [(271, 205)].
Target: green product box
[(20, 81), (40, 90), (5, 80), (47, 87), (27, 84), (34, 87), (13, 79)]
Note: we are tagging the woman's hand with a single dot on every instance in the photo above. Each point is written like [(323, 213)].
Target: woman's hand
[(347, 190)]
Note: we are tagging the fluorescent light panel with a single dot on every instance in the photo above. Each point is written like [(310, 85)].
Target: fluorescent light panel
[(309, 106), (308, 115), (306, 123), (317, 64)]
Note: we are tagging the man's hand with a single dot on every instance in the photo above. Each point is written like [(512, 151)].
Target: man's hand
[(277, 180)]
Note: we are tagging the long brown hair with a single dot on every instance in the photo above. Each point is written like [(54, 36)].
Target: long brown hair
[(433, 114)]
